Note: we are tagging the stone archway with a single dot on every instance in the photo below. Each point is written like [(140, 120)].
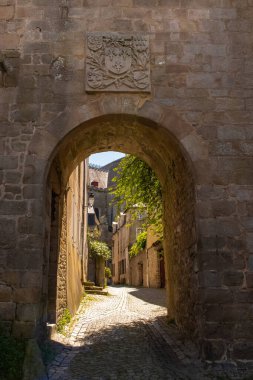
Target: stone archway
[(158, 136)]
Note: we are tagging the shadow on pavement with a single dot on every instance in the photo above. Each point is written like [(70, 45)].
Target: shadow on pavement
[(129, 350)]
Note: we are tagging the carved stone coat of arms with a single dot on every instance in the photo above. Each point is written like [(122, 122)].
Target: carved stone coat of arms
[(117, 62)]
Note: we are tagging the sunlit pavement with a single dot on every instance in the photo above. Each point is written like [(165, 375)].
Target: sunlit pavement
[(126, 336)]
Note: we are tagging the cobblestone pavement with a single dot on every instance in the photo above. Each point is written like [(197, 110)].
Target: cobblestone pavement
[(125, 336)]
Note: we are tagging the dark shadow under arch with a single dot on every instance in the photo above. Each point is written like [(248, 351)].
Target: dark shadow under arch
[(163, 152)]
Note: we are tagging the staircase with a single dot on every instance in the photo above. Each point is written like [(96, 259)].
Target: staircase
[(91, 288)]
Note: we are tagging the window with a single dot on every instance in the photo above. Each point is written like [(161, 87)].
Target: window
[(122, 266), (94, 183)]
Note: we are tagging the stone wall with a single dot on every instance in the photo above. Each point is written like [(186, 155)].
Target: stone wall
[(76, 251), (147, 262), (140, 270), (68, 249), (194, 129)]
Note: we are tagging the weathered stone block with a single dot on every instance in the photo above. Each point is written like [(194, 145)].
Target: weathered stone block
[(249, 280), (244, 296), (7, 311), (244, 330), (30, 242), (12, 190), (236, 312), (249, 242), (223, 13), (9, 41), (31, 279), (27, 295), (213, 349), (27, 312), (12, 278), (16, 259), (32, 191), (233, 278), (250, 263), (214, 296), (247, 222), (13, 207), (32, 225), (6, 12), (25, 112), (223, 208), (8, 162), (209, 278), (32, 174), (243, 350), (24, 329), (215, 330), (7, 233), (5, 293)]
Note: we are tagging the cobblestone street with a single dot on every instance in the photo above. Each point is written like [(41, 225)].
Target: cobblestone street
[(125, 336)]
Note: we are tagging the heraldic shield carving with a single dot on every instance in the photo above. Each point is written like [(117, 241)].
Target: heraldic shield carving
[(117, 62)]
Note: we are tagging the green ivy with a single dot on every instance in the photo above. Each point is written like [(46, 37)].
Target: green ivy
[(139, 245), (108, 273)]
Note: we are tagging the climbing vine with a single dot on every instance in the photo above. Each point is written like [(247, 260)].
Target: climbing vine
[(139, 245)]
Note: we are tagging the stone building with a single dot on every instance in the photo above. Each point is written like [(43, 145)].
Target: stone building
[(98, 185), (145, 269), (101, 215), (100, 182), (68, 255), (182, 101)]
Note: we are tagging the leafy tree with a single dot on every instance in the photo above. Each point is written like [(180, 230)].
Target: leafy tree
[(138, 188)]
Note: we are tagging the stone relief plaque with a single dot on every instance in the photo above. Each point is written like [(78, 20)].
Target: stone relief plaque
[(117, 62)]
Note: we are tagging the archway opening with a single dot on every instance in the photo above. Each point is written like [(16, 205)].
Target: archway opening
[(162, 152)]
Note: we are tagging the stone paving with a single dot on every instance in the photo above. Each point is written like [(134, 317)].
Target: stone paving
[(125, 336)]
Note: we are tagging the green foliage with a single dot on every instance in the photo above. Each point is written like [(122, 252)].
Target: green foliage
[(139, 245), (12, 353), (94, 166), (94, 234), (108, 273), (64, 321), (137, 184), (98, 248)]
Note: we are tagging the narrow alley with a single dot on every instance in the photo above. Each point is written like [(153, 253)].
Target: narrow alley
[(125, 336)]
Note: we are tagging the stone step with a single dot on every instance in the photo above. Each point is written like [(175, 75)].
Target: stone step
[(97, 292), (93, 288), (88, 283)]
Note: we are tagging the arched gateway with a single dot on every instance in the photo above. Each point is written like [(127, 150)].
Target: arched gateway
[(72, 82), (169, 145)]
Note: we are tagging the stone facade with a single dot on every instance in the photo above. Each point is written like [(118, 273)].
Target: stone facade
[(100, 181), (145, 269), (194, 129)]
